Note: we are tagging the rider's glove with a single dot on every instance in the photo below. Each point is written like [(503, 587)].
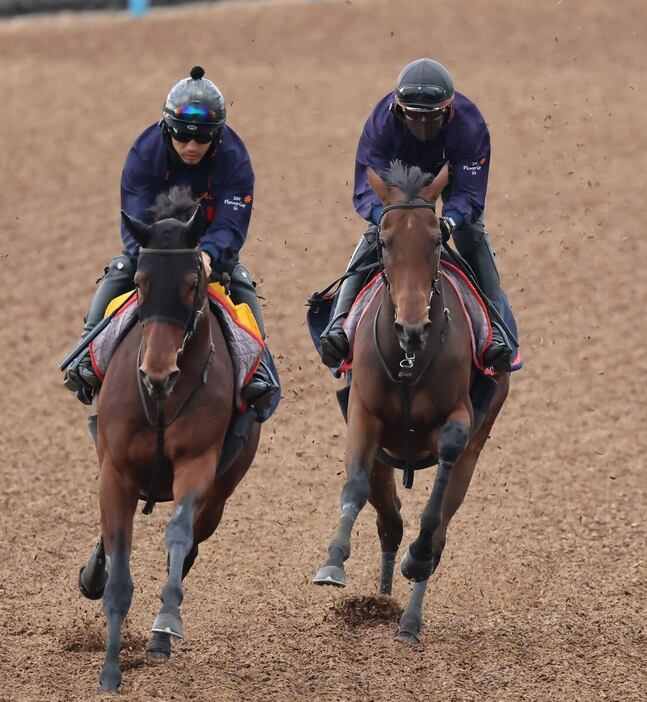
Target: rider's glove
[(447, 226)]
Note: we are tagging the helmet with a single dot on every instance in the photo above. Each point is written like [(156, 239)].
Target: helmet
[(424, 84), (194, 109)]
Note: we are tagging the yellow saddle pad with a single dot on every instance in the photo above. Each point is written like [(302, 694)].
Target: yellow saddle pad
[(241, 312)]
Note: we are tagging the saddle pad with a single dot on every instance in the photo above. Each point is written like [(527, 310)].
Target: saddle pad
[(236, 321), (472, 305)]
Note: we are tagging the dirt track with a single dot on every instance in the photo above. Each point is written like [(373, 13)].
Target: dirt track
[(541, 593)]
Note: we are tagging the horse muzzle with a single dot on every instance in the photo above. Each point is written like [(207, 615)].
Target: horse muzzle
[(158, 386), (412, 337)]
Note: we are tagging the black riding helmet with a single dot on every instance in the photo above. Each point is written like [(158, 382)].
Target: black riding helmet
[(424, 84), (194, 109)]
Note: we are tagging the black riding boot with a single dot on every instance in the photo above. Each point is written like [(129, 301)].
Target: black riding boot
[(118, 279), (334, 342), (473, 244), (263, 385)]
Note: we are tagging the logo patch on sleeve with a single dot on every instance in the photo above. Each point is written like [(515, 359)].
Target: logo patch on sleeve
[(239, 203)]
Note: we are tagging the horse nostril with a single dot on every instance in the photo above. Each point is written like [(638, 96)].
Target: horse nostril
[(158, 388), (399, 329), (426, 328), (169, 383)]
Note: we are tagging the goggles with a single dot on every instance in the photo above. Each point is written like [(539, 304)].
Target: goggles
[(200, 136), (430, 97), (420, 114)]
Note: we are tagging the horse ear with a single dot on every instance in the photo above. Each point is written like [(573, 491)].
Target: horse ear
[(195, 227), (140, 231), (432, 191), (380, 188)]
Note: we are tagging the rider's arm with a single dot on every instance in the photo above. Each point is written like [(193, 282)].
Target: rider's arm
[(233, 209), (468, 151), (138, 192), (374, 150)]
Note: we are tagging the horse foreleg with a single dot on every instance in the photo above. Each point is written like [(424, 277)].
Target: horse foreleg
[(179, 541), (158, 648), (118, 502), (423, 555), (360, 453), (386, 502)]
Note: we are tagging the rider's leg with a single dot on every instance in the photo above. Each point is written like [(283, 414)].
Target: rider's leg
[(118, 279), (334, 343), (473, 244), (261, 388)]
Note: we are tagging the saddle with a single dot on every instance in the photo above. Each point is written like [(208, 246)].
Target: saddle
[(237, 322)]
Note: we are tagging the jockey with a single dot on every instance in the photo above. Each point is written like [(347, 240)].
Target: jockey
[(190, 146), (425, 123)]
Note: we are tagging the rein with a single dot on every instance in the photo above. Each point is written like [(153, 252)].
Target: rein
[(404, 379)]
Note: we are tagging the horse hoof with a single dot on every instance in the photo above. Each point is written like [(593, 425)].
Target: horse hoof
[(158, 648), (109, 679), (415, 570), (407, 637), (94, 589), (167, 623), (330, 575)]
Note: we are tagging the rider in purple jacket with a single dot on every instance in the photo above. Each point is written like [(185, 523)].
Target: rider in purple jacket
[(425, 123), (190, 146)]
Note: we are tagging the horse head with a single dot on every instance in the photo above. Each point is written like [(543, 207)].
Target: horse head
[(409, 246), (171, 285)]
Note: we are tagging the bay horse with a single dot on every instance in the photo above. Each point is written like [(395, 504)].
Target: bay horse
[(172, 370), (412, 368)]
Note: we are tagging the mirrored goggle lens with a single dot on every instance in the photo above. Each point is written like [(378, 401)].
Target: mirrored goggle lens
[(421, 95), (195, 112), (184, 136)]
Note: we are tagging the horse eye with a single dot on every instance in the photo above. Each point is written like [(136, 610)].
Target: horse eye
[(382, 243)]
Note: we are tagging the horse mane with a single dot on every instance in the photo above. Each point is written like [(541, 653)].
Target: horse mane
[(178, 204), (409, 179)]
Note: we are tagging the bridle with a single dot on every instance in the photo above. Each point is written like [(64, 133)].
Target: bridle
[(404, 379), (435, 285), (406, 364), (160, 424)]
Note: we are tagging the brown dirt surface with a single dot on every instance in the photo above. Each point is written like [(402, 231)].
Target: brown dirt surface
[(541, 593)]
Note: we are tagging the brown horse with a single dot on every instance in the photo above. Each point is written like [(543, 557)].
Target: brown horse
[(173, 371), (410, 393)]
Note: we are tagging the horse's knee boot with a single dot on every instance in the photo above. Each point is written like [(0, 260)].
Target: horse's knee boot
[(452, 441)]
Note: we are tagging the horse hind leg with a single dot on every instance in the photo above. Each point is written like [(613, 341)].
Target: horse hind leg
[(94, 576), (386, 502)]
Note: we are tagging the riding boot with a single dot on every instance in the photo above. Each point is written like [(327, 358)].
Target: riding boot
[(118, 279), (263, 385), (334, 342), (473, 244)]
